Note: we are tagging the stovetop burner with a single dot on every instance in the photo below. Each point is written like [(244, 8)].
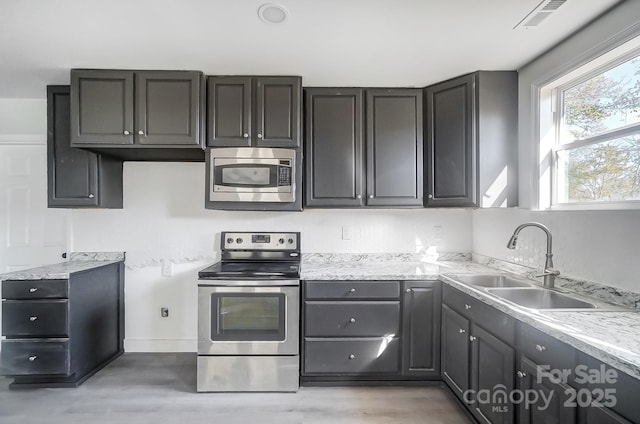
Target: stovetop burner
[(256, 256)]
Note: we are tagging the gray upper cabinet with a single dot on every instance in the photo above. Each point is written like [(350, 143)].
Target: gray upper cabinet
[(334, 147), (471, 141), (137, 114), (76, 177), (338, 173), (254, 111), (394, 147)]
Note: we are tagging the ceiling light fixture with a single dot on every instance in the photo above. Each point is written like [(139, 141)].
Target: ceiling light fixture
[(271, 13)]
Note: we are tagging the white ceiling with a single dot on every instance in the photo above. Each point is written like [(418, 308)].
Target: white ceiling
[(328, 42)]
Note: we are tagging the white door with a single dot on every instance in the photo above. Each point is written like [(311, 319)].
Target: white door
[(30, 233)]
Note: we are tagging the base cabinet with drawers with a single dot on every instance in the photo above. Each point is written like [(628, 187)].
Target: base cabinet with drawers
[(370, 330), (60, 332)]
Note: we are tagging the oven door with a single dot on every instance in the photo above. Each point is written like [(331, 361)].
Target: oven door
[(248, 320)]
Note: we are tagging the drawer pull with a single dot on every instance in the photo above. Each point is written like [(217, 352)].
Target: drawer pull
[(462, 331), (352, 290), (540, 348), (472, 338), (467, 306), (521, 374), (33, 318), (352, 320), (352, 356), (32, 358), (33, 289)]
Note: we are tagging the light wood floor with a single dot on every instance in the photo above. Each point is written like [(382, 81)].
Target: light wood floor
[(160, 388)]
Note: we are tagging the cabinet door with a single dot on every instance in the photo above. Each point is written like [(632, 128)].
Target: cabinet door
[(552, 412), (421, 311), (72, 174), (455, 350), (394, 147), (278, 111), (168, 108), (333, 146), (492, 370), (450, 148), (101, 107), (229, 102)]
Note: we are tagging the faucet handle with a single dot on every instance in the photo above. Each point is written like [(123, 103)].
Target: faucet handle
[(549, 271)]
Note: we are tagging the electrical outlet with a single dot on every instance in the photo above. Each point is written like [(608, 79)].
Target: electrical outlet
[(346, 232), (164, 312), (437, 233), (167, 268)]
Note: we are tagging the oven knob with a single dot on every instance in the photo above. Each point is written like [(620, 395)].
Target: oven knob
[(290, 241), (229, 240), (281, 241), (238, 240)]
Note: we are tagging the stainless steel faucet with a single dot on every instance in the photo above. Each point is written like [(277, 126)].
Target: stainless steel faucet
[(549, 273)]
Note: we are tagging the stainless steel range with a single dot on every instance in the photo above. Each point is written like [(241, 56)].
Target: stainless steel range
[(248, 315)]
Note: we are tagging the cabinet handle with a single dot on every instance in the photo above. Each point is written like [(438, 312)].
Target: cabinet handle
[(245, 135), (430, 196), (352, 320), (126, 132), (462, 331), (540, 348), (32, 358), (33, 289), (352, 290), (472, 338), (358, 196), (408, 290), (91, 196), (259, 135), (33, 318), (467, 306), (371, 196), (140, 132), (352, 356), (521, 374)]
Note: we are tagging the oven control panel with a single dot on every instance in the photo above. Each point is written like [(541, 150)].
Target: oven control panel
[(260, 241)]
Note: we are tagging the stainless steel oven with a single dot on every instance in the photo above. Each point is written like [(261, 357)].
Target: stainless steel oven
[(252, 174), (249, 315)]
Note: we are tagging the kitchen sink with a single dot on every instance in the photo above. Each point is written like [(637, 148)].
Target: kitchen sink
[(536, 298), (489, 280)]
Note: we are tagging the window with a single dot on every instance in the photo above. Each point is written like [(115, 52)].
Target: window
[(595, 151)]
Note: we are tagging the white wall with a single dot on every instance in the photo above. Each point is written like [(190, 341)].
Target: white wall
[(164, 220), (599, 246)]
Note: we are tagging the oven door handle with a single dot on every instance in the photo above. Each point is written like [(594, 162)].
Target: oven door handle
[(247, 283)]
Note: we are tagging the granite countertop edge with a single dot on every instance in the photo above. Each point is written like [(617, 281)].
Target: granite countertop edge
[(78, 262), (545, 321)]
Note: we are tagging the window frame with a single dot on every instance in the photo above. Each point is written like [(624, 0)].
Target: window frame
[(592, 68)]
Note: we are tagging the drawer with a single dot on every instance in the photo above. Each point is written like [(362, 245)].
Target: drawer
[(33, 356), (352, 290), (34, 318), (352, 356), (35, 289), (496, 322), (546, 350), (351, 319)]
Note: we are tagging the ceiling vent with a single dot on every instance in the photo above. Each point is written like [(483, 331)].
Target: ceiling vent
[(539, 14)]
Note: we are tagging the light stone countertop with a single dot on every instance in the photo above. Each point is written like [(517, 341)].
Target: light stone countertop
[(78, 262), (611, 337)]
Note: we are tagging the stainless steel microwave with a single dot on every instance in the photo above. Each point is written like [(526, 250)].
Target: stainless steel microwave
[(252, 174)]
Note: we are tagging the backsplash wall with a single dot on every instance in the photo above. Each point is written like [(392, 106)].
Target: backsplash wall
[(598, 246)]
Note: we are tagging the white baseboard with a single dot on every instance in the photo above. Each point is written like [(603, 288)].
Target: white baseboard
[(160, 345)]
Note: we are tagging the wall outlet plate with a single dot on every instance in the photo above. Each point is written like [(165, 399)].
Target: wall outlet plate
[(164, 312)]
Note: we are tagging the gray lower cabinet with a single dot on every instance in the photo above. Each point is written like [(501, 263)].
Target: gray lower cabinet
[(138, 115), (477, 355), (57, 333), (370, 330), (262, 111), (76, 178), (471, 141), (421, 312), (338, 172)]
